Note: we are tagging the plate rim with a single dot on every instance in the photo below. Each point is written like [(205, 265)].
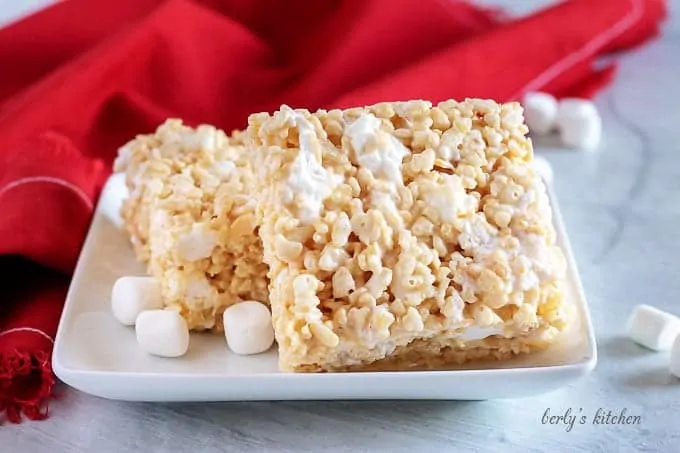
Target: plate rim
[(578, 368)]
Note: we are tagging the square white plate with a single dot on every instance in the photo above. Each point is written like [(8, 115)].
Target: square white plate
[(97, 355)]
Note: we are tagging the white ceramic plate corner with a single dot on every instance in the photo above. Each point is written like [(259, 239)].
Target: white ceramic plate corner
[(95, 354)]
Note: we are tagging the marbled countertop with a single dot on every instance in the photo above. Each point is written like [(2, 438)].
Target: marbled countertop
[(620, 204)]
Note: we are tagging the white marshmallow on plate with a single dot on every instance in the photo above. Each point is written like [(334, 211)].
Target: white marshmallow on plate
[(579, 123), (540, 112), (162, 332), (111, 199), (248, 327), (543, 168), (675, 358), (132, 295), (653, 328)]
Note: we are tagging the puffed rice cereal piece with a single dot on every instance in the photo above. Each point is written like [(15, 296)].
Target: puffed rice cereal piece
[(405, 235)]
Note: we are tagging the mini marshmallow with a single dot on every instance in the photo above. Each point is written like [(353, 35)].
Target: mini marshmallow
[(579, 123), (543, 168), (248, 327), (112, 196), (162, 332), (132, 295), (675, 358), (540, 112), (653, 328), (198, 243)]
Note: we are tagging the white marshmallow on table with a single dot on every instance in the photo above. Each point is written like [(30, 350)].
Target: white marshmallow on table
[(653, 328), (162, 332), (132, 295), (111, 199), (579, 123), (675, 358), (540, 112), (248, 327)]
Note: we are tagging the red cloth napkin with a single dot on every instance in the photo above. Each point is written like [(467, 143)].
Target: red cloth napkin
[(81, 78)]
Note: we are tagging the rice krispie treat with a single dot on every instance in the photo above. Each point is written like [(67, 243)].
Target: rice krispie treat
[(191, 218), (403, 235)]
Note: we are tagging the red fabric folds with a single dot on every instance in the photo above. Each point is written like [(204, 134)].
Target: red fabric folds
[(81, 78)]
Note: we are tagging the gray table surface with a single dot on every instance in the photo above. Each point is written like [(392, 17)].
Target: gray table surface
[(621, 208)]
